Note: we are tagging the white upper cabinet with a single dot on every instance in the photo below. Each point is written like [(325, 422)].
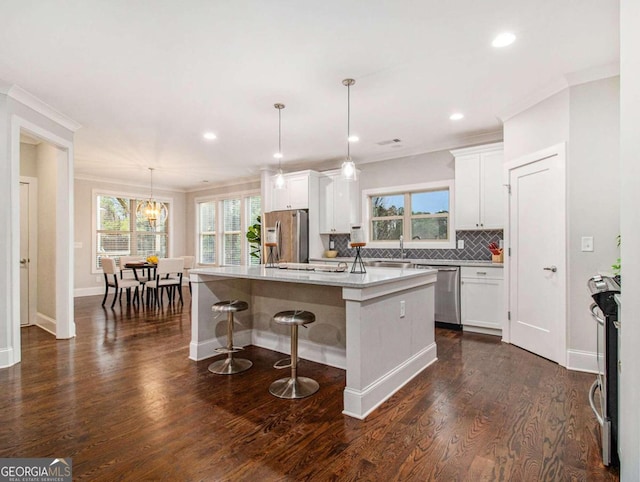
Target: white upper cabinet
[(478, 188), (294, 195), (339, 203)]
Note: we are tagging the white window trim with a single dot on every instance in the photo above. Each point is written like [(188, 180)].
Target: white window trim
[(409, 244), (128, 194), (218, 198)]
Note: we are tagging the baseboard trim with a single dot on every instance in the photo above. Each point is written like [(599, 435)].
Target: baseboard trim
[(207, 349), (360, 403), (582, 361), (6, 358), (46, 323), (307, 350), (81, 292)]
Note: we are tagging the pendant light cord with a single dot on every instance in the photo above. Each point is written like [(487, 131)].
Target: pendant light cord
[(279, 138), (348, 120)]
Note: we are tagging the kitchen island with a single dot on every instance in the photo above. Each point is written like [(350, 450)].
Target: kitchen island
[(378, 326)]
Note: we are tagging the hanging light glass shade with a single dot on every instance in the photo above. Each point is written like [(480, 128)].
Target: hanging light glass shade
[(152, 210), (278, 155), (348, 166)]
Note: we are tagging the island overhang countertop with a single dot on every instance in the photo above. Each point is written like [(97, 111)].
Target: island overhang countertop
[(373, 277)]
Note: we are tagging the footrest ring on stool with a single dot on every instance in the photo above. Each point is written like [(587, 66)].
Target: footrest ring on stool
[(225, 350), (279, 364)]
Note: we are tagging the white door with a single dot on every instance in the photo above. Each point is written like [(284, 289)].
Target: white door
[(24, 254), (537, 271)]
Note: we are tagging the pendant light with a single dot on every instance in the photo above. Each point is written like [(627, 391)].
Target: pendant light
[(152, 210), (348, 166), (278, 155)]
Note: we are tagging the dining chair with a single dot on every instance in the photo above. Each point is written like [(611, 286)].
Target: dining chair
[(111, 280), (168, 278), (189, 263)]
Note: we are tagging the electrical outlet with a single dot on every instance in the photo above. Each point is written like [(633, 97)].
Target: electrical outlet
[(587, 243), (501, 244), (461, 244), (402, 309)]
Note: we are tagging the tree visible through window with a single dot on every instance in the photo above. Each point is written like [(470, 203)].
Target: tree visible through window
[(120, 233), (418, 216)]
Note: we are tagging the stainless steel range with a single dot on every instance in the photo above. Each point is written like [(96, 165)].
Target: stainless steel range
[(604, 391)]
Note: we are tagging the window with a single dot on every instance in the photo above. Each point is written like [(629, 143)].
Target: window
[(254, 206), (421, 214), (120, 233), (230, 217)]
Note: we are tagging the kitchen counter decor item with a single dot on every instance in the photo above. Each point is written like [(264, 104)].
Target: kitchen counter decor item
[(357, 241), (497, 253), (271, 242)]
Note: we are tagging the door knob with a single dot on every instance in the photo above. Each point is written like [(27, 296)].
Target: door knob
[(553, 269), (23, 261)]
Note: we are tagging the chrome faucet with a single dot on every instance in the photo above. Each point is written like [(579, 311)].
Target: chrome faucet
[(401, 247)]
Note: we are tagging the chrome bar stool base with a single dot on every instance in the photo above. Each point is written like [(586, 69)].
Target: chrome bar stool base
[(294, 386), (299, 387), (230, 366)]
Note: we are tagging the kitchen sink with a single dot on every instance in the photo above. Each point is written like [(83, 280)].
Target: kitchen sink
[(389, 264)]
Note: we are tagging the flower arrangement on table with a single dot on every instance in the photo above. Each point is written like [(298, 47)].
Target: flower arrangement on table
[(152, 259), (496, 253)]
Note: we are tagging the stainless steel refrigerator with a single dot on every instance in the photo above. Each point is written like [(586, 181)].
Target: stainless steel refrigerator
[(292, 235)]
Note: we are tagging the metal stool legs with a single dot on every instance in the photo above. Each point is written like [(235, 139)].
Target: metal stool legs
[(294, 386), (230, 365)]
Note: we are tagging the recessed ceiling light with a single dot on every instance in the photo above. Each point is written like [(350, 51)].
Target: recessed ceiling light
[(209, 136), (504, 39), (278, 155), (456, 116), (353, 138)]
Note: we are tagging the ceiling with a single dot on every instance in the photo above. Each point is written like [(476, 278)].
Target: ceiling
[(146, 79)]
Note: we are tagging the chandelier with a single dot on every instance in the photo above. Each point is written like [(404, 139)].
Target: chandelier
[(152, 210)]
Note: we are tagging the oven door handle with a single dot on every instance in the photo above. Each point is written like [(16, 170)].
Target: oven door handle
[(595, 316), (592, 393)]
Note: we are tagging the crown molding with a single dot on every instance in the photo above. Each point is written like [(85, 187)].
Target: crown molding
[(20, 95), (122, 182)]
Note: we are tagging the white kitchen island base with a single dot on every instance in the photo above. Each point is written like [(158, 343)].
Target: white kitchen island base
[(379, 326)]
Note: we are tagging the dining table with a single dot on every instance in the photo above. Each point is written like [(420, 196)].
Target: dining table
[(142, 266)]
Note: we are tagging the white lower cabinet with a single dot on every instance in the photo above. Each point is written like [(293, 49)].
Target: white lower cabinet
[(482, 299)]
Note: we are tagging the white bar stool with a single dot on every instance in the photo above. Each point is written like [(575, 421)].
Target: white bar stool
[(293, 386)]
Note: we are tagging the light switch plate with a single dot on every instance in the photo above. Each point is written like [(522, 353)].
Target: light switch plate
[(461, 244), (587, 243)]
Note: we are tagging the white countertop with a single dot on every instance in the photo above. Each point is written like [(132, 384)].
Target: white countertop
[(373, 276), (421, 261)]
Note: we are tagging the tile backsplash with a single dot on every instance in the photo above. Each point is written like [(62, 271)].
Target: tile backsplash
[(475, 247)]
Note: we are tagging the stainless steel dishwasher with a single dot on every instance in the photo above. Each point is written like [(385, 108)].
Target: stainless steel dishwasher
[(447, 295)]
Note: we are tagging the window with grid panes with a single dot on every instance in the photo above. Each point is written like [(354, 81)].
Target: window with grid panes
[(207, 234), (229, 217), (421, 216), (119, 232)]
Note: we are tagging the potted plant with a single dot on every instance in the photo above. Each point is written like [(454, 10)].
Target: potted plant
[(254, 237)]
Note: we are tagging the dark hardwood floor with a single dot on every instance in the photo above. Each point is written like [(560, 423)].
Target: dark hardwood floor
[(124, 401)]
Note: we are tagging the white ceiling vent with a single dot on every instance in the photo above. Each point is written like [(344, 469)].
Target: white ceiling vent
[(389, 142)]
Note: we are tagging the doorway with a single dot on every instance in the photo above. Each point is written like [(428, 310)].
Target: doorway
[(61, 164), (536, 265)]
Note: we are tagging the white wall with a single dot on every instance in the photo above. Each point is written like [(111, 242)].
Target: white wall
[(87, 282), (46, 168), (541, 126), (431, 166), (28, 160), (630, 228), (586, 118), (593, 164)]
